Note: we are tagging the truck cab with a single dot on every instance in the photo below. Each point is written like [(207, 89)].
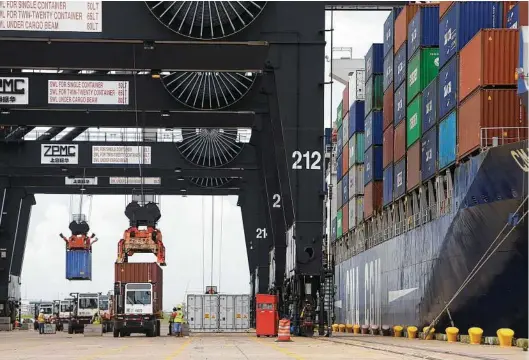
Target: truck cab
[(134, 310), (85, 306), (104, 312), (46, 308)]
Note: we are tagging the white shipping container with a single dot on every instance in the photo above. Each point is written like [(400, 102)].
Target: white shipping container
[(356, 180), (357, 85), (352, 214), (359, 209), (202, 312), (234, 315), (345, 128)]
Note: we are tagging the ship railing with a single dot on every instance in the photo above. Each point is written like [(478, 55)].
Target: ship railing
[(496, 136)]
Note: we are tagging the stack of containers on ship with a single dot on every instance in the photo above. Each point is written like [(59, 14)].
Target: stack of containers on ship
[(79, 250), (374, 62)]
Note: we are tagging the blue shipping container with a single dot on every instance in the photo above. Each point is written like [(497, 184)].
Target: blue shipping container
[(512, 17), (447, 140), (388, 185), (373, 164), (423, 30), (429, 106), (448, 83), (328, 134), (356, 117), (429, 154), (462, 21), (388, 71), (345, 189), (399, 105), (399, 66), (399, 179), (79, 265), (374, 60), (333, 229), (339, 141), (389, 28), (373, 126), (339, 167)]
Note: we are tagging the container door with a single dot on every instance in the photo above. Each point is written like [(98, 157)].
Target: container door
[(211, 313), (242, 312), (195, 313), (226, 313)]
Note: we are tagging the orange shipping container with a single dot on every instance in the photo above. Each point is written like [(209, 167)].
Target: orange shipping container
[(523, 13), (489, 109), (345, 158), (387, 109), (413, 166), (387, 147), (400, 34), (373, 193), (399, 143), (345, 98), (345, 218), (488, 59), (443, 7)]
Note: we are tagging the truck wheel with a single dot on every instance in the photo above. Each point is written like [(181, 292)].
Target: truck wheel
[(70, 328), (158, 328), (115, 333), (150, 332)]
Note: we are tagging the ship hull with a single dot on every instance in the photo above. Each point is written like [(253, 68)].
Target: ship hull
[(409, 279)]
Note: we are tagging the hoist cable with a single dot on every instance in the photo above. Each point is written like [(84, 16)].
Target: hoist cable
[(141, 155), (203, 245), (220, 241), (212, 235)]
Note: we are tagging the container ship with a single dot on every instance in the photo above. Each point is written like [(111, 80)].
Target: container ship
[(429, 175)]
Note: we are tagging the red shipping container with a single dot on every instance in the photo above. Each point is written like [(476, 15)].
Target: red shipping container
[(345, 98), (523, 13), (142, 273), (387, 110), (494, 108), (413, 166), (373, 194), (443, 7), (345, 218), (387, 146), (266, 316), (400, 35), (345, 158), (399, 142), (488, 59)]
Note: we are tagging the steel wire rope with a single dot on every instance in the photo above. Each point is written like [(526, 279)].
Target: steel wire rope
[(212, 236), (203, 245), (480, 263), (220, 240)]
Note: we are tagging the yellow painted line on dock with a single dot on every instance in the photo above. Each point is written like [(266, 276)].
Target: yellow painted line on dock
[(105, 352), (279, 348), (179, 350)]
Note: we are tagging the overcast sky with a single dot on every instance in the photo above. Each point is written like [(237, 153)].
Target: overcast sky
[(182, 223)]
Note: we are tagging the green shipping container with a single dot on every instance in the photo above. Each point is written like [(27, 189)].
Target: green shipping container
[(374, 93), (339, 115), (339, 230), (356, 149), (413, 121), (422, 69)]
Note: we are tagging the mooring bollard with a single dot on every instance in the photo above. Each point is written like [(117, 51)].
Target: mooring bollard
[(451, 334)]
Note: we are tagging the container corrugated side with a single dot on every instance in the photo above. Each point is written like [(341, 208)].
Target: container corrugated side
[(138, 273), (345, 189), (488, 59), (387, 146), (429, 103), (373, 198), (373, 126), (423, 30), (413, 121), (388, 185), (356, 117), (462, 21), (352, 216), (339, 114), (356, 149), (357, 85), (373, 164), (356, 180), (345, 99), (387, 109), (399, 179), (345, 217), (448, 85), (388, 71), (489, 108), (345, 129), (78, 265), (422, 69), (339, 197), (374, 60), (400, 65), (339, 223), (399, 143), (374, 94), (234, 312), (333, 229), (413, 166), (202, 312), (359, 210), (444, 6), (447, 140), (518, 16), (345, 159), (399, 105), (401, 25), (429, 154), (389, 27)]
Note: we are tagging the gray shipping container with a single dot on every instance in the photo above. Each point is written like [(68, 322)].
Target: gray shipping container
[(218, 312)]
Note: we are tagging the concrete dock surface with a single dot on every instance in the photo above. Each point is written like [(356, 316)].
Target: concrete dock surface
[(26, 345)]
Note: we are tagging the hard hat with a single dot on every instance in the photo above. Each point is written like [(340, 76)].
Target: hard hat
[(174, 309), (179, 308)]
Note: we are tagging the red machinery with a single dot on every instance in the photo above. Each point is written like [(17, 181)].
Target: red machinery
[(79, 240), (266, 316)]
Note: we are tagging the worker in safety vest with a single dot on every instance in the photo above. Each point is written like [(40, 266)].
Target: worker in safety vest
[(42, 320), (177, 322), (96, 319), (171, 321)]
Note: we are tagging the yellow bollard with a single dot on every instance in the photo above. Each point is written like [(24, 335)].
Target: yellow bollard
[(342, 328), (431, 333), (505, 337), (397, 331), (334, 327), (412, 332), (475, 334), (451, 334), (348, 328), (356, 329)]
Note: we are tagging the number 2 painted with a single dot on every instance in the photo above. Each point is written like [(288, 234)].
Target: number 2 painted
[(277, 200), (298, 156)]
